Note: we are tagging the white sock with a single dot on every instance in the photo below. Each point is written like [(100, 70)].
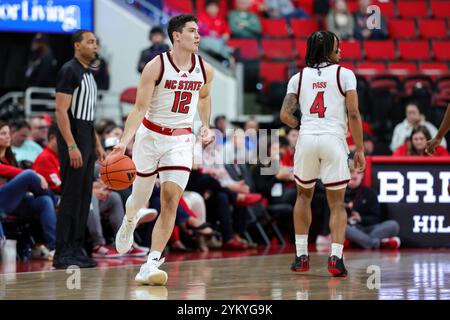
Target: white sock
[(336, 250), (130, 219), (154, 255), (301, 244)]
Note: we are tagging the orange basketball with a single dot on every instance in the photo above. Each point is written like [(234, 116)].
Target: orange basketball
[(118, 171)]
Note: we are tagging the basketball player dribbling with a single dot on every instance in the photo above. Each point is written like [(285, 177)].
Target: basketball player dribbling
[(173, 85), (327, 95)]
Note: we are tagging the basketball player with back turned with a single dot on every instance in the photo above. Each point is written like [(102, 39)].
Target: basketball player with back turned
[(173, 85), (327, 96)]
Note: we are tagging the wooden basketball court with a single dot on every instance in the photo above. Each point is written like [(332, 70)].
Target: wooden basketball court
[(405, 275)]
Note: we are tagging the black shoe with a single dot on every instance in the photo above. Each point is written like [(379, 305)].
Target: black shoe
[(63, 262), (301, 264), (85, 262), (336, 266)]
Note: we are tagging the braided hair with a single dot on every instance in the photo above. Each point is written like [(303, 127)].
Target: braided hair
[(320, 48)]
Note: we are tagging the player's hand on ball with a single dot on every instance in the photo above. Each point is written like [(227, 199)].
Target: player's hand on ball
[(119, 148), (432, 145), (359, 161), (207, 136)]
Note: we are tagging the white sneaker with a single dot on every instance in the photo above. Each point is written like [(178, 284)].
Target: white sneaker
[(151, 274), (124, 237)]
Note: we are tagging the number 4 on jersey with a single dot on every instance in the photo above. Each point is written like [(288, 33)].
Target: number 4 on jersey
[(318, 105)]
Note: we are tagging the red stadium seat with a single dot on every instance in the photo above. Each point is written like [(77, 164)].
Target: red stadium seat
[(432, 28), (277, 49), (176, 6), (302, 28), (300, 46), (441, 50), (440, 9), (306, 5), (402, 29), (414, 50), (380, 50), (433, 69), (350, 50), (349, 65), (248, 48), (387, 9), (273, 72), (412, 9), (371, 68), (274, 28), (352, 6), (402, 69)]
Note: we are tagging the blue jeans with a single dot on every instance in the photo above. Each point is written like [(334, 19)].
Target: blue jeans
[(15, 199)]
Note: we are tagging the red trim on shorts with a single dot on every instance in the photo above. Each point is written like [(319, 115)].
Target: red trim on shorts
[(146, 175), (333, 184), (339, 81), (304, 182), (169, 168), (166, 131), (161, 72), (299, 83), (203, 68)]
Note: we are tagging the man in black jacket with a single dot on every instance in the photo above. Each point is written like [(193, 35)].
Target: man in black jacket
[(365, 228)]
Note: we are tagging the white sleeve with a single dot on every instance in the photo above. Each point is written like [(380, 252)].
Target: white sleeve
[(293, 84), (348, 79)]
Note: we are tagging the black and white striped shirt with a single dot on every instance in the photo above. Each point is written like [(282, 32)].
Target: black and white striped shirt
[(79, 82)]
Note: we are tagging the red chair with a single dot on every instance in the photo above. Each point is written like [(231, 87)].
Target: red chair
[(370, 69), (402, 69), (402, 29), (273, 72), (274, 28), (441, 50), (176, 6), (127, 97), (277, 49), (306, 5), (380, 50), (433, 69), (350, 50), (352, 6), (248, 48), (387, 9), (302, 28), (300, 46), (433, 28), (413, 9), (349, 65), (440, 9), (414, 50)]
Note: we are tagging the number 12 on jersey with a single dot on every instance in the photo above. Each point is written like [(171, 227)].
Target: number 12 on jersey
[(318, 105), (181, 102)]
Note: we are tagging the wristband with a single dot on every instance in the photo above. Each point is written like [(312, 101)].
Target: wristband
[(73, 146)]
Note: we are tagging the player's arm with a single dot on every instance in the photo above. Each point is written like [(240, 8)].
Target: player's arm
[(145, 89), (287, 110), (204, 105), (355, 125), (62, 119), (443, 129)]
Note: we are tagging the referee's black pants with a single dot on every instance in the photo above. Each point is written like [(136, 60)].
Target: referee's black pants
[(76, 190)]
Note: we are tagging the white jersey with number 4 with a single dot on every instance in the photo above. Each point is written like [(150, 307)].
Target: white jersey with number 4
[(321, 95), (176, 95)]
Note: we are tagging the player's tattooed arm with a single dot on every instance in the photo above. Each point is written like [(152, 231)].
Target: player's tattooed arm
[(288, 109)]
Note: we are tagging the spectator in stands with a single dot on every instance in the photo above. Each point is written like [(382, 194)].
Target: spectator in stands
[(417, 144), (320, 9), (413, 119), (39, 130), (221, 124), (100, 70), (251, 128), (283, 9), (25, 150), (362, 32), (287, 159), (365, 228), (47, 163), (41, 70), (112, 131), (24, 193), (243, 23), (157, 37), (340, 21), (214, 31)]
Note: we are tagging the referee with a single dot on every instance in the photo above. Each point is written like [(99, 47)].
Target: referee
[(78, 147)]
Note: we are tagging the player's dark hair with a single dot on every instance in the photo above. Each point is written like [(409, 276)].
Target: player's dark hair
[(177, 24), (320, 47), (78, 36)]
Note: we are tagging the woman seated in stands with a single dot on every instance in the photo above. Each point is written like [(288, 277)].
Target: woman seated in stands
[(24, 193), (415, 146)]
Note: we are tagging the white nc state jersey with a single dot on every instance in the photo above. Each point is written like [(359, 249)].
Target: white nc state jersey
[(175, 98), (321, 95)]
